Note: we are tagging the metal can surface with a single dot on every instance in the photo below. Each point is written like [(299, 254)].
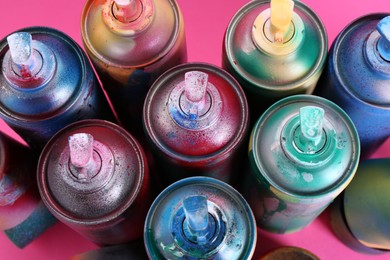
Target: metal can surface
[(268, 70), (191, 136), (303, 152), (130, 51), (105, 200), (61, 87), (22, 213), (200, 218), (360, 217), (357, 76)]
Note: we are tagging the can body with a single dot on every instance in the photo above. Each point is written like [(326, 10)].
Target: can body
[(23, 215), (235, 228), (359, 218), (288, 188), (356, 78), (111, 207), (129, 57), (269, 73), (70, 93), (209, 145)]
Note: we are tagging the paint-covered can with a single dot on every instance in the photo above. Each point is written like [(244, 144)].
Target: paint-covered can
[(93, 176), (200, 218), (360, 217), (46, 83), (196, 120), (272, 63), (357, 78), (130, 44), (303, 152), (23, 215)]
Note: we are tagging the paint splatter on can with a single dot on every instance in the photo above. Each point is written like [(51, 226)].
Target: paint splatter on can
[(303, 152), (130, 46), (357, 76), (196, 120), (270, 67), (200, 218), (22, 213), (47, 87), (93, 176)]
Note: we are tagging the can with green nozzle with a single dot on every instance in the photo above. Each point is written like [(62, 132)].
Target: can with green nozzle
[(303, 152)]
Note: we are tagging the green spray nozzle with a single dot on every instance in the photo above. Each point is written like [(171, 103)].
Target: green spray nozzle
[(197, 217), (383, 28), (311, 121)]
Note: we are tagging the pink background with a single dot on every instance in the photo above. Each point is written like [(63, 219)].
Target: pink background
[(205, 22)]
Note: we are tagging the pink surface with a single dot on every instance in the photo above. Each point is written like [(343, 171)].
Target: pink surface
[(205, 22)]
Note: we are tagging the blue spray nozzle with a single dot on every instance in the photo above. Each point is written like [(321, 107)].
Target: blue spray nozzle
[(197, 217), (383, 28)]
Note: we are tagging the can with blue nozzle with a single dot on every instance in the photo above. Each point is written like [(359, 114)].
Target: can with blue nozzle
[(200, 218), (357, 78), (47, 83)]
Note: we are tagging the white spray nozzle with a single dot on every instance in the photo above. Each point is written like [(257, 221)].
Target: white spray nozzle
[(281, 15), (197, 215), (20, 46), (311, 119), (383, 28), (81, 155), (195, 90), (127, 10)]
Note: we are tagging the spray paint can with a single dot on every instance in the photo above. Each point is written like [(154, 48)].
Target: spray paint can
[(303, 152), (93, 176), (196, 120), (270, 59), (200, 218), (130, 44), (357, 77), (22, 213), (46, 84), (360, 217)]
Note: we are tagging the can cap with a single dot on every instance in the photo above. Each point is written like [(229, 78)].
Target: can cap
[(196, 109), (305, 146), (51, 86), (81, 188), (132, 33), (359, 66), (273, 68), (202, 218)]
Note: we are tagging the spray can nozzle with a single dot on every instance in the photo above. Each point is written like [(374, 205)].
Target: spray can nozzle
[(281, 16), (311, 133), (127, 11), (22, 54), (383, 28), (195, 88), (81, 156), (197, 218)]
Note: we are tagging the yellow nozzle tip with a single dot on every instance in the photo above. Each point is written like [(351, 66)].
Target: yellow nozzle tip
[(281, 15)]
